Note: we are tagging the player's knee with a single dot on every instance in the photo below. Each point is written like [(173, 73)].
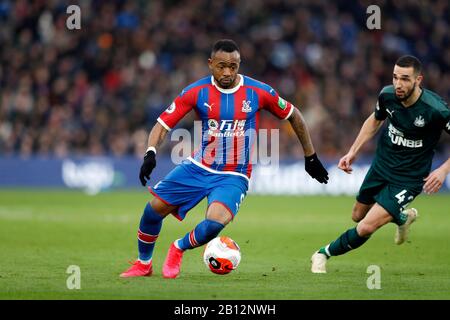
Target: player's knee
[(366, 229), (160, 207), (217, 212)]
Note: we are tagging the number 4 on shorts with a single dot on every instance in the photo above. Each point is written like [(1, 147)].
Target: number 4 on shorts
[(401, 199), (401, 196)]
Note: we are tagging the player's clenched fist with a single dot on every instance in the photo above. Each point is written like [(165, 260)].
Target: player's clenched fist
[(147, 167), (315, 169)]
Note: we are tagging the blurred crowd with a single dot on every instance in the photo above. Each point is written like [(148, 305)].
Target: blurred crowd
[(99, 90)]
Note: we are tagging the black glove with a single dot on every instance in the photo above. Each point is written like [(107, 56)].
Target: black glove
[(147, 167), (315, 169)]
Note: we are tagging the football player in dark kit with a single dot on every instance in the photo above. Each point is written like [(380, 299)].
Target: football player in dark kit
[(401, 168)]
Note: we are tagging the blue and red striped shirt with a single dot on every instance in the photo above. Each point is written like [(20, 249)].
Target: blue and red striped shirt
[(229, 121)]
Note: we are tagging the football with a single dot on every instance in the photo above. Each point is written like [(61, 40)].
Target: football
[(222, 255)]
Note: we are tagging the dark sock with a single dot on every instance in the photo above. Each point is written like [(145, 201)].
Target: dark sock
[(149, 228), (349, 240), (203, 233)]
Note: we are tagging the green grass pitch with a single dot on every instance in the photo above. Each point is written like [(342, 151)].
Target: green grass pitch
[(43, 232)]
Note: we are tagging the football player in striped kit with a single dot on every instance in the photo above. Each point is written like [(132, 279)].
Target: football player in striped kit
[(228, 104)]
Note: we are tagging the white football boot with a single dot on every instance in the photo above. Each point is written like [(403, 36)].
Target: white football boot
[(402, 231), (318, 263)]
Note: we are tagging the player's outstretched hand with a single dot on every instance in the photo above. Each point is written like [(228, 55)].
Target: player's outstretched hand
[(434, 181), (345, 163), (147, 167), (315, 169)]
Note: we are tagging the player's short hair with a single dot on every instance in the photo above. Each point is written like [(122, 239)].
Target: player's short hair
[(410, 61), (226, 45)]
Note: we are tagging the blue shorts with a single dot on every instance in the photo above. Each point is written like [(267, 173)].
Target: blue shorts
[(188, 184)]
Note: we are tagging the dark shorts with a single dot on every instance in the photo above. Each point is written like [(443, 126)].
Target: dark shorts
[(393, 197)]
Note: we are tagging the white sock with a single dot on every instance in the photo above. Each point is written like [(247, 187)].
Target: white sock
[(176, 244), (145, 261)]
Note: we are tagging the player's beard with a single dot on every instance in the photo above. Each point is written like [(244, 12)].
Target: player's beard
[(408, 94), (227, 84)]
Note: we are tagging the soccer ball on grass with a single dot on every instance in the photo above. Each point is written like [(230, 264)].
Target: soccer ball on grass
[(222, 255)]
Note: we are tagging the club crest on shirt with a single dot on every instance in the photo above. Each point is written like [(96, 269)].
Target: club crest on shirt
[(246, 106), (419, 122)]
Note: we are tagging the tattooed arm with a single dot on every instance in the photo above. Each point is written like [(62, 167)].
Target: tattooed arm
[(301, 130), (156, 136), (312, 163)]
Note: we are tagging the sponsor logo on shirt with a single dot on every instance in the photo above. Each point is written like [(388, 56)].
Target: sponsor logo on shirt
[(213, 124), (226, 128), (208, 106), (390, 112), (282, 103), (397, 138), (171, 108)]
